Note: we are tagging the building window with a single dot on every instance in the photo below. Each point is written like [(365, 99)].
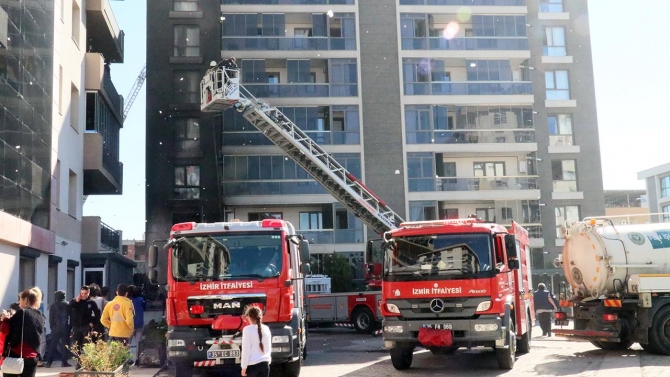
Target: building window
[(259, 216), (486, 214), (186, 40), (186, 6), (187, 182), (551, 6), (666, 213), (507, 213), (554, 41), (564, 175), (70, 282), (557, 85), (74, 107), (186, 86), (560, 130), (448, 213), (422, 211), (26, 273), (52, 284), (489, 169), (564, 213), (536, 258), (665, 187), (420, 172), (76, 21), (72, 195), (311, 220), (187, 134)]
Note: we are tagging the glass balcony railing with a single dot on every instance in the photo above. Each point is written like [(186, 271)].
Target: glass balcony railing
[(472, 184), (287, 43), (551, 6), (560, 140), (554, 51), (565, 186), (287, 2), (464, 2), (330, 236), (468, 88), (272, 187), (302, 90), (467, 43), (320, 137), (470, 136), (558, 94)]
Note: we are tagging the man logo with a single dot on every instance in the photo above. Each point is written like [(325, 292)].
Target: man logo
[(227, 305)]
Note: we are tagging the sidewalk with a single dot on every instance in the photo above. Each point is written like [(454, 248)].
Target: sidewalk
[(55, 371)]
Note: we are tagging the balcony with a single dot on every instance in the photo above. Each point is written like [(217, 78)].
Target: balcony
[(98, 237), (104, 35), (103, 173), (287, 43), (302, 90), (445, 88), (450, 184), (467, 43), (287, 2), (470, 3), (98, 79), (333, 236), (495, 136)]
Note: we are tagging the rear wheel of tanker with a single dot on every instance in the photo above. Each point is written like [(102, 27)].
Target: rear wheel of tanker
[(507, 356), (611, 346), (291, 369), (523, 345), (659, 333), (364, 320), (402, 355)]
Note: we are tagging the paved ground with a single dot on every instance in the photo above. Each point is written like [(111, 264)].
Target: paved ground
[(336, 352)]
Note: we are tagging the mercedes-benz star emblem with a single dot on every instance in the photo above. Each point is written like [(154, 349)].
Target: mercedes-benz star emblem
[(436, 305)]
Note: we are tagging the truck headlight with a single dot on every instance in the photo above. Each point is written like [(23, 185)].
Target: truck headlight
[(392, 308), (280, 339), (395, 329), (176, 343), (486, 327), (483, 306)]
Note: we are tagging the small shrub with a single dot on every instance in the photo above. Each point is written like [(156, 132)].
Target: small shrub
[(101, 356)]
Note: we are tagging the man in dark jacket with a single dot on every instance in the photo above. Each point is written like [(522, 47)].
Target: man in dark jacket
[(545, 304), (84, 316), (59, 321)]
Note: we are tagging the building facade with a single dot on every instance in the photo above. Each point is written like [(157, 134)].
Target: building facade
[(444, 108), (657, 180), (59, 129)]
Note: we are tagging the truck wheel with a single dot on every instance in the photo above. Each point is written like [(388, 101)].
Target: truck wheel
[(364, 320), (291, 369), (523, 346), (612, 346), (401, 356), (659, 333), (506, 356)]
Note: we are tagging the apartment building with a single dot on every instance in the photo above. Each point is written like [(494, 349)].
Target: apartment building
[(657, 181), (60, 117), (444, 108)]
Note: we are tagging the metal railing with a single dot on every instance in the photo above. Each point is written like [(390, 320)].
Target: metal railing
[(109, 238), (507, 136), (302, 90), (468, 88), (465, 43), (287, 43)]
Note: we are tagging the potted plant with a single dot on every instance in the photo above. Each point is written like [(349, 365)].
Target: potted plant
[(102, 359)]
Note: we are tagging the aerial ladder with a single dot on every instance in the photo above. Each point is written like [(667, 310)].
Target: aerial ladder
[(220, 89)]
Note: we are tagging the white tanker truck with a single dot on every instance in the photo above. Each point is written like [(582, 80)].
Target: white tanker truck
[(620, 280)]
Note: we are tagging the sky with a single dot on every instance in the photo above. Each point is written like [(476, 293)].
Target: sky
[(630, 59)]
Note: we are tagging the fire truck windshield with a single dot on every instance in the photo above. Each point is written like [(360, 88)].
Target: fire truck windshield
[(443, 255), (241, 255)]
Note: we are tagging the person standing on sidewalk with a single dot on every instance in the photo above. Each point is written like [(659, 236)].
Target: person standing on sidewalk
[(118, 316), (84, 314), (25, 332), (256, 345), (139, 305), (545, 304), (59, 321)]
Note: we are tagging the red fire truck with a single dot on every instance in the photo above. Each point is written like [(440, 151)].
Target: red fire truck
[(456, 283), (359, 309), (216, 270)]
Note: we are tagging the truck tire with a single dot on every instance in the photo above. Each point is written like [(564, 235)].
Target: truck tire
[(612, 346), (659, 333), (402, 355), (523, 345), (291, 368), (364, 320), (506, 356)]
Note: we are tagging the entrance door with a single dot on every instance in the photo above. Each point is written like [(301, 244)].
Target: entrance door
[(95, 275)]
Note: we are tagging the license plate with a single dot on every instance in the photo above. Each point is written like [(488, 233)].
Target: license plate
[(562, 323), (223, 354), (438, 326)]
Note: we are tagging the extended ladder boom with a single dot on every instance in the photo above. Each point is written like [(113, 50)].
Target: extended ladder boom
[(220, 89)]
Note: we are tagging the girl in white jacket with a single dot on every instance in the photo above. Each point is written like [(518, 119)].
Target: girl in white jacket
[(256, 345)]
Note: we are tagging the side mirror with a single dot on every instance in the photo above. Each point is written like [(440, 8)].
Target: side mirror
[(153, 276), (304, 250), (513, 264), (152, 259), (305, 268), (510, 245)]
